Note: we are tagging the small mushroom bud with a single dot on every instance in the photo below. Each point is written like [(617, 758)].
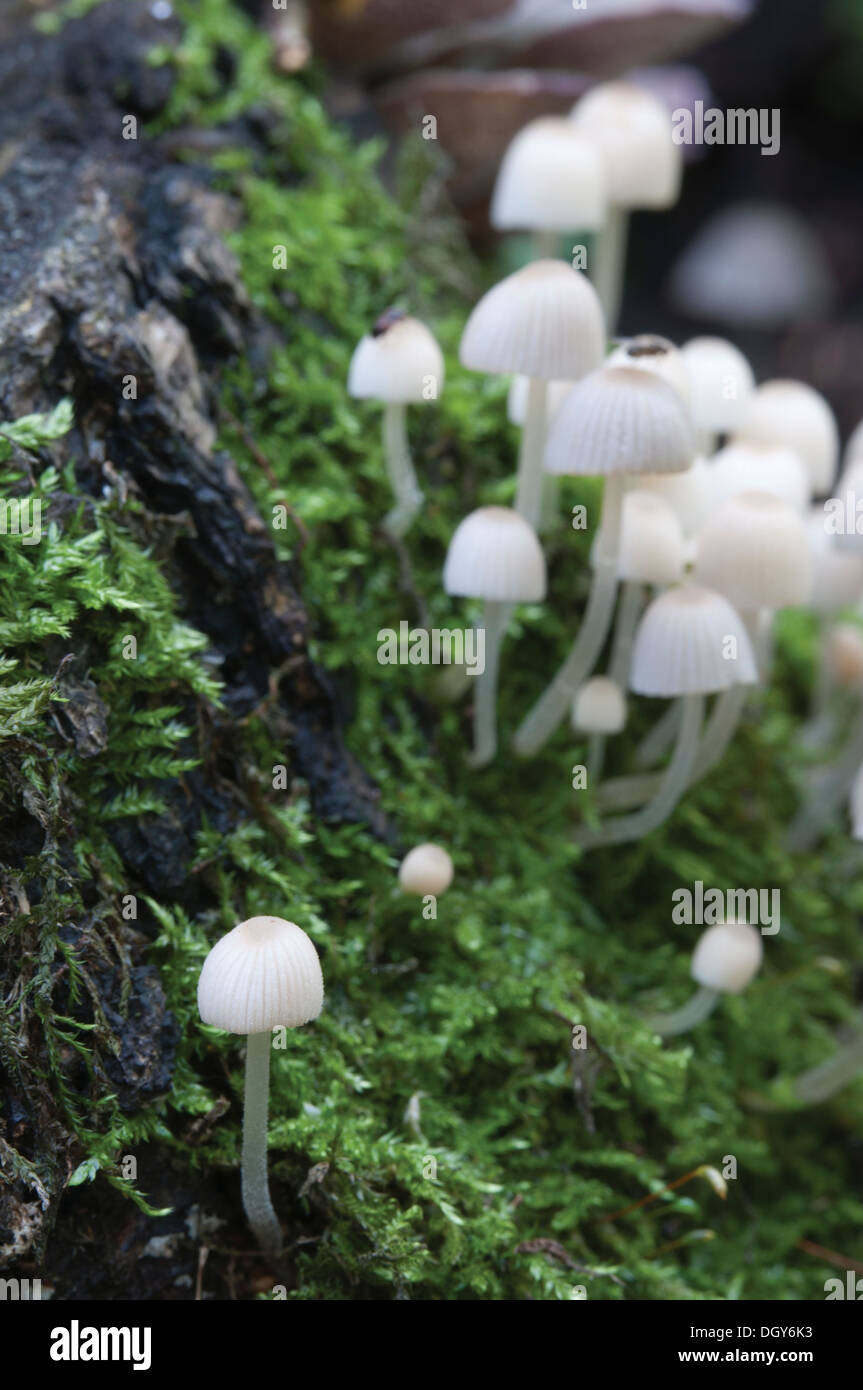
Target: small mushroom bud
[(426, 870), (726, 959)]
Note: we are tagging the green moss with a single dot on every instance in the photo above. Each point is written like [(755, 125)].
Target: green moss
[(471, 1012)]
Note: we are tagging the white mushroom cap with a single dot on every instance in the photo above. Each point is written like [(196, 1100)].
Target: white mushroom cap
[(843, 655), (792, 414), (856, 806), (516, 401), (632, 128), (652, 548), (620, 420), (727, 957), (599, 707), (689, 494), (495, 555), (426, 869), (755, 265), (650, 353), (545, 321), (755, 550), (837, 575), (263, 974), (721, 381), (551, 179), (397, 362), (690, 641), (747, 465)]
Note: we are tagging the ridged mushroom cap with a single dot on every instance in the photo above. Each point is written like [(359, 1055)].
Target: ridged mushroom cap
[(721, 382), (544, 321), (397, 362), (495, 555), (620, 420), (426, 869), (652, 548), (727, 957), (793, 415), (550, 179), (837, 574), (690, 641), (749, 465), (599, 707), (648, 352), (689, 494), (263, 974), (633, 129), (755, 550)]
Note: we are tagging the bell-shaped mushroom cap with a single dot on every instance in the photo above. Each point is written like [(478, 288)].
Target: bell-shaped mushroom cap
[(544, 321), (837, 574), (755, 550), (399, 361), (633, 129), (599, 707), (793, 415), (516, 400), (746, 465), (690, 642), (689, 494), (727, 957), (620, 420), (649, 353), (856, 806), (652, 547), (426, 869), (262, 975), (495, 555), (551, 179), (721, 382), (843, 655), (754, 266)]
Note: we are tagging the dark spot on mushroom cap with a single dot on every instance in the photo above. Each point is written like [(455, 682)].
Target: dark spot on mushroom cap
[(386, 321)]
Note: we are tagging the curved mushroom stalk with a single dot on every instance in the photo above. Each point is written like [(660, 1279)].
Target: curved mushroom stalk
[(833, 789), (823, 1081), (672, 786), (540, 723), (693, 1012), (400, 470), (255, 1186)]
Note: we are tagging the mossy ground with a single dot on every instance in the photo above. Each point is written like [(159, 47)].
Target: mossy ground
[(470, 1012)]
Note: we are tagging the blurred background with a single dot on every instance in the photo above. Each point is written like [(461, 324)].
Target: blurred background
[(764, 249)]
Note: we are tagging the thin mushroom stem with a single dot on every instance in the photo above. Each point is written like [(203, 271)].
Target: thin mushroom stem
[(657, 741), (673, 784), (689, 1015), (400, 469), (545, 244), (609, 263), (823, 1081), (256, 1192), (494, 621), (629, 610), (622, 793), (528, 501), (551, 707), (834, 788)]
